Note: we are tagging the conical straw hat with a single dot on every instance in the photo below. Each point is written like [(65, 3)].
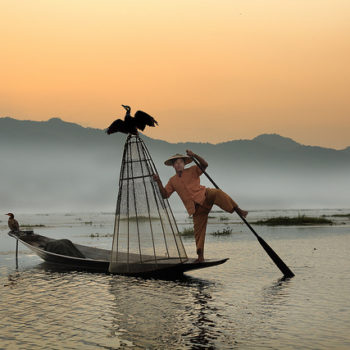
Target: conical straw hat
[(186, 159)]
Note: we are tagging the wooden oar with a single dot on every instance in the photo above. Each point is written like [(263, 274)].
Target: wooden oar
[(272, 254)]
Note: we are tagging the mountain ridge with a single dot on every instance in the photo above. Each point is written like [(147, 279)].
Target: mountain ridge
[(271, 139)]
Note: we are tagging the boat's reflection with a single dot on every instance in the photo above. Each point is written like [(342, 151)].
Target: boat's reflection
[(149, 310), (158, 313)]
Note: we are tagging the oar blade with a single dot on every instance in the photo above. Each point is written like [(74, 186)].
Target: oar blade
[(276, 259)]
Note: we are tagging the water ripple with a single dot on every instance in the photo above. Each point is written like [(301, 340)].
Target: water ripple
[(239, 305)]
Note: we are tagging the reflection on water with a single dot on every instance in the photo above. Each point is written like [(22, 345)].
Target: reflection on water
[(276, 293), (41, 307), (238, 305), (178, 313)]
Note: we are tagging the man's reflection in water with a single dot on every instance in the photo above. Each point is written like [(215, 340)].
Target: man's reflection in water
[(172, 313), (202, 332)]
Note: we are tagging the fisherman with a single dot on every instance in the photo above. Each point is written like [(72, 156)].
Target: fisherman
[(198, 199), (13, 223)]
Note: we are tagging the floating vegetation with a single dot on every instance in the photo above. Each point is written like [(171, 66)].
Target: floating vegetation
[(296, 220), (34, 225), (88, 222), (139, 218), (100, 235), (224, 232), (341, 215), (187, 231), (224, 218)]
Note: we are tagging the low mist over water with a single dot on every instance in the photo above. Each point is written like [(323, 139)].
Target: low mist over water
[(59, 166)]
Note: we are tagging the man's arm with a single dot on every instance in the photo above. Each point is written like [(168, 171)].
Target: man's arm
[(201, 161), (163, 191)]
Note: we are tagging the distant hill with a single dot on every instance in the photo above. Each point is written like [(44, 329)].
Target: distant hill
[(55, 165)]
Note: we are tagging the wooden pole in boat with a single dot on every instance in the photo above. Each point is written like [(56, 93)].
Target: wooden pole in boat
[(272, 254), (16, 254)]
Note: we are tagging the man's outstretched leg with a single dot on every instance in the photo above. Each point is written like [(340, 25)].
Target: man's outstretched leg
[(224, 201), (200, 217)]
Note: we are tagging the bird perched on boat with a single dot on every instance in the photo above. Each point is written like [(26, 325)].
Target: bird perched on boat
[(13, 223), (131, 125)]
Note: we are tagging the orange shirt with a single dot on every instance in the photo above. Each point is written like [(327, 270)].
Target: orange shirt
[(188, 187)]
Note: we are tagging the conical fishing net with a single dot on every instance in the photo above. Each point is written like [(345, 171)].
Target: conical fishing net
[(146, 237)]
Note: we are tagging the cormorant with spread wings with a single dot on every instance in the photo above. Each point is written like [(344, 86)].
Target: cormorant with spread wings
[(131, 125)]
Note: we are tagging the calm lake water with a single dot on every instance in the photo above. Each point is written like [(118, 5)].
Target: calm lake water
[(241, 304)]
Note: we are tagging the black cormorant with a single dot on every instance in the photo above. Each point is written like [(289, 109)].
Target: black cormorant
[(131, 125), (13, 223)]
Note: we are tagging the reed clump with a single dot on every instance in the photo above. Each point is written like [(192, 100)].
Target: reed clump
[(100, 235), (139, 218), (187, 231), (296, 220), (224, 232)]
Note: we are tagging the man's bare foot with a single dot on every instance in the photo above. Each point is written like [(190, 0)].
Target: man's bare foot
[(242, 212), (199, 260)]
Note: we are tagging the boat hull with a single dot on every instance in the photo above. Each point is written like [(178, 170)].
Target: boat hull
[(98, 259)]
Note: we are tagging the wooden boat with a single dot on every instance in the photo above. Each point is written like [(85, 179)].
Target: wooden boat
[(97, 259)]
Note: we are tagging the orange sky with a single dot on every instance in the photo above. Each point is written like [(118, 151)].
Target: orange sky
[(209, 71)]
